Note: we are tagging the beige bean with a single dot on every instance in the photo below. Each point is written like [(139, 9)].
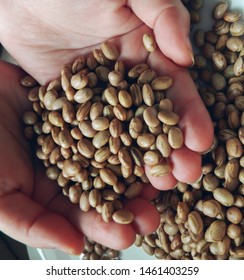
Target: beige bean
[(195, 222), (135, 127), (238, 67), (78, 64), (86, 148), (182, 211), (115, 78), (126, 139), (161, 83), (65, 139), (152, 158), (86, 129), (102, 154), (107, 211), (223, 196), (149, 42), (219, 10), (216, 231), (56, 119), (146, 77), (163, 145), (219, 60), (123, 216), (211, 208), (148, 94), (145, 140), (166, 104), (100, 123), (52, 172), (234, 44), (232, 16), (119, 188), (234, 231), (210, 182), (114, 145), (49, 99), (234, 215), (125, 98), (94, 198), (83, 111), (28, 81), (75, 193), (70, 168), (79, 81), (101, 139), (136, 94), (111, 96), (237, 28), (102, 73), (68, 112), (171, 229), (83, 95), (234, 147), (100, 57), (125, 158), (115, 128), (98, 183), (110, 50), (120, 112), (150, 117), (108, 176), (84, 201), (29, 118), (136, 70), (160, 170), (137, 156), (168, 117), (175, 138), (126, 172)]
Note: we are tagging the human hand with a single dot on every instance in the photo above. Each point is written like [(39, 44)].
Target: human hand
[(33, 209), (43, 36)]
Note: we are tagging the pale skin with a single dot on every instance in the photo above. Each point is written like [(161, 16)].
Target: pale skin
[(42, 37)]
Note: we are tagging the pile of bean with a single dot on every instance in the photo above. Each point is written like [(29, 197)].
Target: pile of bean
[(96, 251), (205, 220), (98, 125)]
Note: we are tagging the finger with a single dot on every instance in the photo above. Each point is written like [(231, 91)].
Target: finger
[(149, 192), (186, 165), (186, 168), (146, 216), (32, 225), (111, 234), (170, 22), (195, 121)]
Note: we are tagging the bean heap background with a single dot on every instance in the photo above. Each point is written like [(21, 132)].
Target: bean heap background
[(203, 220)]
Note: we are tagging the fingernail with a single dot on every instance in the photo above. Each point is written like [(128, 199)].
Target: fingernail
[(190, 51), (176, 185), (73, 252)]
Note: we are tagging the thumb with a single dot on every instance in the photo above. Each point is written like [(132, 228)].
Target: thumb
[(170, 22)]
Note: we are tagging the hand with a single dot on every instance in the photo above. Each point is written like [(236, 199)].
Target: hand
[(33, 209), (43, 36)]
